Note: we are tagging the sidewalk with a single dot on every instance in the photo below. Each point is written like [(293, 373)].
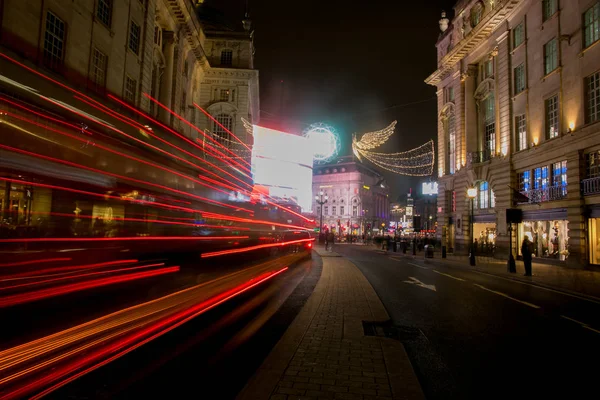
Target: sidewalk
[(576, 281), (324, 354)]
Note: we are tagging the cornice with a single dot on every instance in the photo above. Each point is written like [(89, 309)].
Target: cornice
[(189, 25), (231, 73), (475, 38)]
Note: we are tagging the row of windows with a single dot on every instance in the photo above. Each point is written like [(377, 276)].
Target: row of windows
[(544, 177), (334, 211)]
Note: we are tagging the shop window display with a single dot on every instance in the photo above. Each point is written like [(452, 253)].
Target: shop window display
[(550, 238)]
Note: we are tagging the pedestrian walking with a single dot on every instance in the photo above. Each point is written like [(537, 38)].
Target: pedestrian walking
[(526, 251), (331, 240)]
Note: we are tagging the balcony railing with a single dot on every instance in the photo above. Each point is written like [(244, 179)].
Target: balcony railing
[(547, 194), (591, 186), (477, 157)]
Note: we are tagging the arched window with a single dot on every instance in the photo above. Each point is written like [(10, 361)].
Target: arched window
[(451, 133), (222, 136), (226, 57)]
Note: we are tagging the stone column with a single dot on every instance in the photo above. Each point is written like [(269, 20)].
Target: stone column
[(166, 82)]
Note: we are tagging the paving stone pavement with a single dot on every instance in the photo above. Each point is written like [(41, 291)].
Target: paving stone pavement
[(324, 354)]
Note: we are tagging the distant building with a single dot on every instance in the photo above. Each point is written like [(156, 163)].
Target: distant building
[(358, 197), (518, 109)]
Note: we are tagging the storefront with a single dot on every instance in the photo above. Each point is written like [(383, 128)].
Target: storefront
[(594, 234), (548, 230), (484, 229)]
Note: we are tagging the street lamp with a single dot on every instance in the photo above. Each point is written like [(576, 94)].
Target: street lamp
[(321, 199), (471, 194)]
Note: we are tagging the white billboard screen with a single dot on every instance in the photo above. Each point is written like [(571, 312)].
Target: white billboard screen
[(282, 162), (430, 188)]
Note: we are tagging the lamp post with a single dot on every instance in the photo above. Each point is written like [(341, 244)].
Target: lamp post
[(472, 193), (321, 199)]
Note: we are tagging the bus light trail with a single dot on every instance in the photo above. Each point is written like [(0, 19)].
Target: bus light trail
[(40, 261), (252, 248), (69, 268), (222, 127), (118, 239)]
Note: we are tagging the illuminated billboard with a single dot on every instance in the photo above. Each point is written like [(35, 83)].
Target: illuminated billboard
[(282, 163), (430, 188)]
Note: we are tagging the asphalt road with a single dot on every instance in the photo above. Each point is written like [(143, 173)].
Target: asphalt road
[(475, 336)]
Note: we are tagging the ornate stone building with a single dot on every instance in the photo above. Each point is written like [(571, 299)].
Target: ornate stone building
[(518, 109), (358, 197)]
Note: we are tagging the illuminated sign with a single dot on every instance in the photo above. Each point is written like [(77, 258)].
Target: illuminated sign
[(409, 211), (366, 187), (282, 163), (430, 188)]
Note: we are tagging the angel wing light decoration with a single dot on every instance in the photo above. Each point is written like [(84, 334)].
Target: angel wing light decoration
[(416, 162)]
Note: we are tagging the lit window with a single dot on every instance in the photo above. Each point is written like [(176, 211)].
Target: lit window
[(549, 8), (54, 41), (525, 181), (521, 128), (130, 89), (224, 95), (519, 78), (593, 165), (592, 98), (134, 37), (484, 195), (559, 176), (489, 123), (354, 211), (540, 178), (551, 105), (591, 25), (98, 69), (550, 56), (104, 12), (221, 131), (226, 57), (451, 144), (518, 35)]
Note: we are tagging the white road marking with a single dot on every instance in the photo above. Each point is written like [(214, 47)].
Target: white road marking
[(583, 324), (418, 266), (415, 281), (591, 300), (507, 296), (448, 275)]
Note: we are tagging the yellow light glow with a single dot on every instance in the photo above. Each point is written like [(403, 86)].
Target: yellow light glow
[(472, 192), (536, 140), (572, 125)]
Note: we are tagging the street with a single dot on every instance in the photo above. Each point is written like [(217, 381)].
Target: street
[(480, 336)]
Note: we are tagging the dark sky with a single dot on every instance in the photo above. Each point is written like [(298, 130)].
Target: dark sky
[(347, 63)]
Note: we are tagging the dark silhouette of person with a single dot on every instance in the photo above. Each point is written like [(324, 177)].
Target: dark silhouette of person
[(331, 240), (526, 251)]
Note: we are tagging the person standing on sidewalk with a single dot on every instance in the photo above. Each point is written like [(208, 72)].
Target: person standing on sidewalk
[(526, 251), (330, 239)]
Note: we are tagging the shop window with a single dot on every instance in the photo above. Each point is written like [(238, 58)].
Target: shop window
[(594, 240), (550, 239), (525, 181)]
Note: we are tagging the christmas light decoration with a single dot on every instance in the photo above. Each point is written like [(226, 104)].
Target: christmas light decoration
[(325, 142), (415, 162)]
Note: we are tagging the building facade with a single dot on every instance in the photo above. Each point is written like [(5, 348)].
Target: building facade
[(518, 109), (358, 197)]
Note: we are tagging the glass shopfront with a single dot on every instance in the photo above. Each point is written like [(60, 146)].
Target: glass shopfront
[(485, 234), (550, 239), (594, 240)]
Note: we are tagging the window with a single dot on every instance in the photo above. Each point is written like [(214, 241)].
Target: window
[(484, 195), (134, 37), (476, 12), (592, 165), (341, 210), (592, 98), (487, 69), (519, 78), (98, 69), (550, 56), (354, 211), (223, 136), (158, 36), (54, 41), (559, 176), (130, 89), (448, 94), (104, 12), (525, 181), (549, 8), (521, 128), (326, 210), (540, 178), (518, 35), (489, 123), (333, 210), (551, 117), (591, 25), (226, 57), (224, 95), (451, 144)]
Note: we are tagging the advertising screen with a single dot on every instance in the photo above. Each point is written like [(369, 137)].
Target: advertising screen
[(282, 162), (430, 188)]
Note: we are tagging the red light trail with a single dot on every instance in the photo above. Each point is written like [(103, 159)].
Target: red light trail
[(132, 238), (69, 268), (39, 261), (221, 125), (252, 248)]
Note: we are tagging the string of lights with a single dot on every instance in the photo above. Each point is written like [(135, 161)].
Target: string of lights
[(415, 162)]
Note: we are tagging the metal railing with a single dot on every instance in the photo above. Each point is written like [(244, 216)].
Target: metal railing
[(477, 157), (546, 194), (590, 186)]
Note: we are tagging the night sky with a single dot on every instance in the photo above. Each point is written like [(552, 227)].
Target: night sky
[(354, 65)]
